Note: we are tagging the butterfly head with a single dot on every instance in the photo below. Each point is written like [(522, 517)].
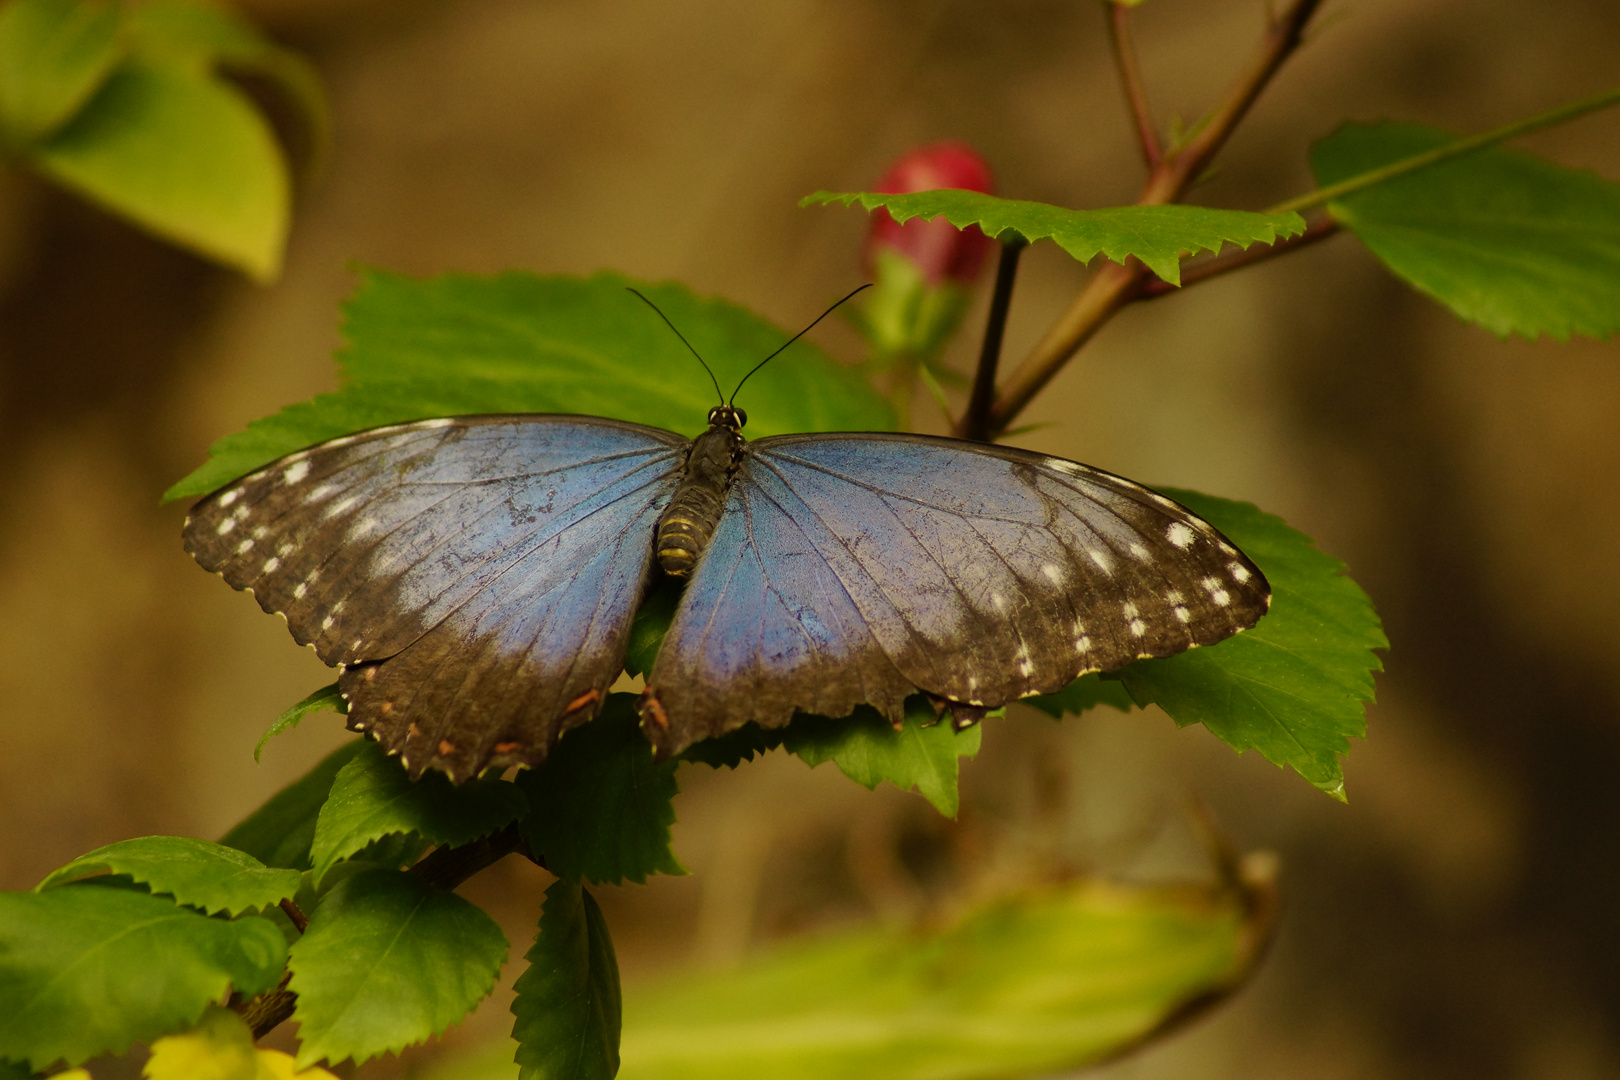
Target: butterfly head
[(727, 416)]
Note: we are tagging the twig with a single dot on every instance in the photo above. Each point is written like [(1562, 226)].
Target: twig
[(1130, 74), (299, 919), (976, 421), (1114, 285), (1469, 145), (1204, 269)]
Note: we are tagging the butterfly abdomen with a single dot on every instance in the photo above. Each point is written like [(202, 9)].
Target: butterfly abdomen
[(694, 510)]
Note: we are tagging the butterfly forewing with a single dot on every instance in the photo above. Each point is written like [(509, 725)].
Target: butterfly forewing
[(862, 568), (476, 576)]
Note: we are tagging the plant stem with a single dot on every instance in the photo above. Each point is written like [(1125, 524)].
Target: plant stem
[(1114, 284), (1130, 74), (976, 421), (1469, 145), (1204, 269)]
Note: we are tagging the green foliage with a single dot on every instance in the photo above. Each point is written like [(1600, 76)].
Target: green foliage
[(53, 56), (327, 697), (522, 343), (220, 1047), (1039, 984), (90, 969), (599, 805), (374, 797), (924, 754), (1505, 239), (387, 962), (1086, 692), (567, 1004), (194, 872), (1294, 686), (1158, 235), (280, 832), (126, 106), (186, 156), (651, 624)]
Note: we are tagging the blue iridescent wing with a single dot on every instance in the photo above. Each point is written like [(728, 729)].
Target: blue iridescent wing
[(853, 568), (475, 578)]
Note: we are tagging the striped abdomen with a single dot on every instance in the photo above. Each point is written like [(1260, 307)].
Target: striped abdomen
[(689, 520)]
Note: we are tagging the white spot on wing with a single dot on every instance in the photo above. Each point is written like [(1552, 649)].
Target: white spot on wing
[(341, 505), (1182, 613), (295, 473), (321, 492), (1239, 573), (226, 526), (271, 564), (230, 496), (1053, 573), (1130, 611), (1140, 552), (1138, 627), (1082, 644), (326, 623), (1102, 560), (245, 546), (1179, 535), (998, 600), (299, 590)]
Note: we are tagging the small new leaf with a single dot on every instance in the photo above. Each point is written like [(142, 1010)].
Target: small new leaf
[(521, 343), (197, 873), (327, 697), (88, 970), (599, 805), (386, 962), (280, 832), (221, 1047), (1507, 240), (924, 754), (567, 1004), (373, 797), (53, 56), (1158, 235), (1294, 686)]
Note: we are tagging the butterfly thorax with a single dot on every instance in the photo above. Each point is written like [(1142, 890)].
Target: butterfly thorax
[(694, 510)]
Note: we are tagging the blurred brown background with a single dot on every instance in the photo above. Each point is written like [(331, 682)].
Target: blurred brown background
[(1459, 918)]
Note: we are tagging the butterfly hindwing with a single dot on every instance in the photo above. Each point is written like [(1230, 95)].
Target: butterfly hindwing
[(476, 577), (856, 568)]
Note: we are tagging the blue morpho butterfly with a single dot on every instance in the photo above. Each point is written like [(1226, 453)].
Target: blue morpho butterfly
[(474, 578)]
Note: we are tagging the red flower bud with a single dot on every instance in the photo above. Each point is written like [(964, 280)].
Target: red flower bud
[(938, 248)]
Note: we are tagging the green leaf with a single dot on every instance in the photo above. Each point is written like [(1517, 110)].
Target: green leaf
[(650, 625), (280, 832), (15, 1070), (194, 872), (1507, 240), (387, 962), (1294, 686), (923, 754), (327, 697), (184, 155), (205, 37), (53, 56), (600, 805), (1036, 985), (373, 797), (567, 1004), (87, 970), (734, 747), (521, 343), (1086, 692), (1158, 235)]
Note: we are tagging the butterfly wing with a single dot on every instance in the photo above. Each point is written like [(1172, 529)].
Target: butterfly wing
[(854, 568), (475, 578)]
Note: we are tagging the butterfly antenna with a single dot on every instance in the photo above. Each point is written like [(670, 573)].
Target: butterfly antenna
[(796, 337), (721, 394)]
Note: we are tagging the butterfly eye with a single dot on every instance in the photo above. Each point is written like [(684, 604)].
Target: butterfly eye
[(742, 418)]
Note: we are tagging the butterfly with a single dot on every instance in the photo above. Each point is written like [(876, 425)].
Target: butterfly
[(475, 578)]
